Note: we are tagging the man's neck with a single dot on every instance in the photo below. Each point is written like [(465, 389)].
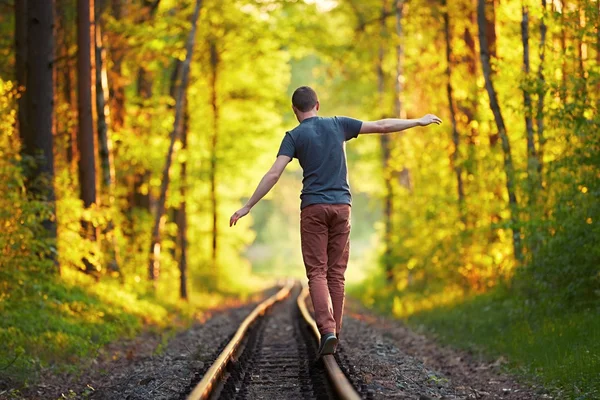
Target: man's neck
[(306, 115)]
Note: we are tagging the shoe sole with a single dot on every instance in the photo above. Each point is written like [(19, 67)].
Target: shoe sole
[(329, 346)]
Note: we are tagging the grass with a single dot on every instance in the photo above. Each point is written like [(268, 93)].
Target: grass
[(543, 343), (560, 348), (58, 323)]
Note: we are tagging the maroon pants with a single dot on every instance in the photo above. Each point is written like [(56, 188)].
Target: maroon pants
[(325, 234)]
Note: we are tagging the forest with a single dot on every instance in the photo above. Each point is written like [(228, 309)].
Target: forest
[(132, 129)]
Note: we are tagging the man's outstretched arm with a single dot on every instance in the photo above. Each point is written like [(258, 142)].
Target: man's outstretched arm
[(265, 185), (390, 125)]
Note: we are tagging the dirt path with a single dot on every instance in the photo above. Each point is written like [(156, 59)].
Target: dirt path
[(393, 361)]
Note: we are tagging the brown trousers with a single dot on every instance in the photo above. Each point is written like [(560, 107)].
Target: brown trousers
[(325, 235)]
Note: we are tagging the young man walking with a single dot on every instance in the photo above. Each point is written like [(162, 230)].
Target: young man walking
[(319, 145)]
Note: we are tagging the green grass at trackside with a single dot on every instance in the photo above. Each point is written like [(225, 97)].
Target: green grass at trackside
[(547, 344), (48, 324), (560, 348), (56, 324)]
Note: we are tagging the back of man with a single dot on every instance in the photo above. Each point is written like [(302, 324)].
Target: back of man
[(318, 144)]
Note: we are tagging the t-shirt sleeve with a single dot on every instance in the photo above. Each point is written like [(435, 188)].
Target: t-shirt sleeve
[(350, 126), (287, 147)]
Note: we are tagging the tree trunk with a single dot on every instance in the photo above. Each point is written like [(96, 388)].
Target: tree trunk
[(86, 139), (385, 156), (117, 92), (39, 103), (214, 64), (154, 267), (495, 107), (455, 134), (469, 105), (563, 44), (490, 27), (180, 214), (581, 51), (105, 142), (404, 175), (85, 90), (181, 218), (21, 64), (490, 33), (541, 95), (398, 111), (67, 70), (532, 157)]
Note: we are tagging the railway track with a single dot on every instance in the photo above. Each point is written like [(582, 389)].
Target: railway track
[(273, 356)]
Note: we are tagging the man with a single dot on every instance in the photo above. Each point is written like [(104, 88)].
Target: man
[(319, 145)]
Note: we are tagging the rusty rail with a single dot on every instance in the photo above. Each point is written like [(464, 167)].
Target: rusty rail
[(340, 383), (204, 388)]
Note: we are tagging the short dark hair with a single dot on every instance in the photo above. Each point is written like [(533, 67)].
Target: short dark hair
[(304, 98)]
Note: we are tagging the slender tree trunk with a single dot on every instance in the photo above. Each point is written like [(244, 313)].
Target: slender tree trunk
[(181, 218), (455, 134), (66, 69), (180, 214), (117, 92), (404, 176), (85, 90), (490, 34), (541, 95), (388, 204), (21, 64), (469, 105), (563, 44), (105, 142), (142, 198), (86, 139), (490, 27), (532, 157), (398, 110), (214, 64), (495, 107), (154, 267), (581, 54), (37, 133)]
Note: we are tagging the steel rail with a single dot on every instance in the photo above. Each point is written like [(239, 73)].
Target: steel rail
[(206, 385), (340, 383)]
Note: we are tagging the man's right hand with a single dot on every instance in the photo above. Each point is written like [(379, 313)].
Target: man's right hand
[(238, 214), (429, 119)]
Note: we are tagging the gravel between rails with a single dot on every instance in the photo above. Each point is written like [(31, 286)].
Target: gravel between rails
[(278, 360)]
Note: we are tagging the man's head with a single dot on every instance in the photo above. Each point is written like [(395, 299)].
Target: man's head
[(304, 100)]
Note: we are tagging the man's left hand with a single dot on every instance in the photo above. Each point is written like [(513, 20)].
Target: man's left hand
[(238, 214)]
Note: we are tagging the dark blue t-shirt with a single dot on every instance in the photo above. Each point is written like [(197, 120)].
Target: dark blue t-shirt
[(319, 145)]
